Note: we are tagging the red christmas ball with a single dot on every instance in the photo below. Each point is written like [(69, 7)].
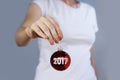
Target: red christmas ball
[(60, 60)]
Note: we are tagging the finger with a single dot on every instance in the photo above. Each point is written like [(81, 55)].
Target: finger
[(47, 32), (51, 29), (56, 25), (37, 30)]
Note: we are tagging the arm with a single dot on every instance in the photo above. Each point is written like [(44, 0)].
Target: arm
[(37, 26), (92, 61), (33, 14)]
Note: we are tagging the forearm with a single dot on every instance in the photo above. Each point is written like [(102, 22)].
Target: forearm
[(33, 14), (94, 66), (93, 62), (22, 38)]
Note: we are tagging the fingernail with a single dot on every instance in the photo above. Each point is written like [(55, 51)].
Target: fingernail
[(46, 37), (52, 43), (61, 38), (57, 42)]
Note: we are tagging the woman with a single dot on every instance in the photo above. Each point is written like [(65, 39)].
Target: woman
[(67, 23)]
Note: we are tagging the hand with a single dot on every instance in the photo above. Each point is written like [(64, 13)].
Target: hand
[(47, 28)]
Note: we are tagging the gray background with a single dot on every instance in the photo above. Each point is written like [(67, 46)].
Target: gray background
[(20, 63)]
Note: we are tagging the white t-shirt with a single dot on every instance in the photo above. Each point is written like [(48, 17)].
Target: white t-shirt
[(79, 26)]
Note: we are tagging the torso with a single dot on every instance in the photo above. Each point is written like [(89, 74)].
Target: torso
[(78, 39)]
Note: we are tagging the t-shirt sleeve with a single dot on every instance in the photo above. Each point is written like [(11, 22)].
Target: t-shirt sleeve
[(41, 4), (94, 20)]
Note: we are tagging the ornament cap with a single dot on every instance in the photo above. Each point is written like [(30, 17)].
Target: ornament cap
[(60, 48)]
